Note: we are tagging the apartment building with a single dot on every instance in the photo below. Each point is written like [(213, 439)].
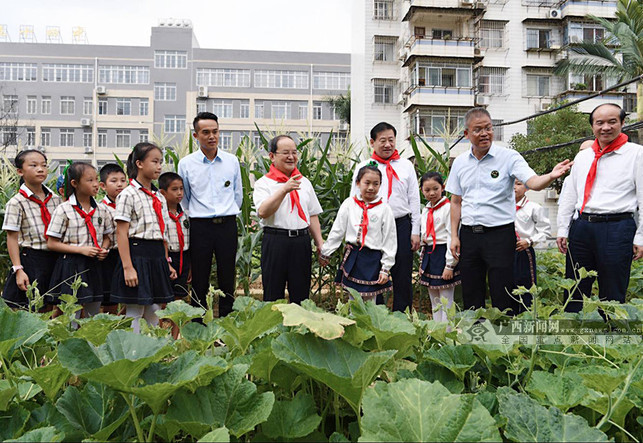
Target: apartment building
[(89, 102)]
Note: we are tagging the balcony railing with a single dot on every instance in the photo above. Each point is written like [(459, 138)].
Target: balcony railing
[(444, 47)]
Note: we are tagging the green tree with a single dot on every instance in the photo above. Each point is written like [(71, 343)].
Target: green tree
[(551, 129), (619, 55), (342, 105)]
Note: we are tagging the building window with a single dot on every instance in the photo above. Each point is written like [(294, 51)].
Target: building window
[(88, 106), (538, 85), (441, 34), (590, 82), (492, 81), (45, 137), (133, 75), (244, 110), (87, 139), (280, 110), (165, 91), (67, 105), (229, 78), (256, 140), (498, 131), (9, 136), (331, 80), (201, 107), (582, 32), (102, 139), (492, 34), (10, 104), (258, 110), (143, 136), (383, 9), (31, 137), (174, 124), (384, 90), (538, 38), (123, 138), (444, 74), (317, 111), (144, 107), (45, 105), (222, 108), (66, 137), (32, 104), (18, 72), (439, 123), (225, 141), (281, 79), (170, 59), (384, 49), (123, 106), (303, 111), (67, 73), (102, 106)]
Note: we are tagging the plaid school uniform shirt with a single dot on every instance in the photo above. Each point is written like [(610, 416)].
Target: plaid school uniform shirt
[(136, 208), (70, 227), (173, 231), (111, 208), (24, 216)]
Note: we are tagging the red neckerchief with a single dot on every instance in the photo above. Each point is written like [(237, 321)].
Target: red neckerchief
[(109, 202), (87, 216), (179, 231), (598, 153), (430, 227), (156, 204), (519, 207), (364, 224), (44, 212), (390, 172), (280, 177)]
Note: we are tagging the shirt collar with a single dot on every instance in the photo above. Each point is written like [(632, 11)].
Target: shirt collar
[(108, 200), (359, 197), (74, 202), (205, 159), (522, 202), (30, 193), (137, 185), (428, 204), (493, 150)]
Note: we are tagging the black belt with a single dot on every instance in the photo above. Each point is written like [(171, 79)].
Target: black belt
[(603, 218), (289, 232), (480, 229), (403, 217), (215, 220)]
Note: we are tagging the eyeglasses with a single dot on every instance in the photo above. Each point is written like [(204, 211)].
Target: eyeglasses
[(479, 131), (287, 153)]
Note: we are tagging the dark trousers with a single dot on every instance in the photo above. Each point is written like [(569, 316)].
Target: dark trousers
[(285, 260), (488, 253), (216, 236), (401, 271), (605, 247)]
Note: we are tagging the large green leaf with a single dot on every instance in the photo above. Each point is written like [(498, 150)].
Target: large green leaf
[(95, 329), (456, 358), (292, 419), (18, 328), (561, 390), (601, 403), (429, 371), (219, 435), (323, 324), (241, 333), (416, 410), (230, 400), (190, 370), (7, 392), (118, 362), (46, 434), (180, 312), (50, 378), (601, 378), (527, 421), (12, 422), (392, 330), (201, 337), (96, 410), (344, 368)]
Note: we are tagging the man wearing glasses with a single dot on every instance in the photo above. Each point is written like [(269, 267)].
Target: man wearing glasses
[(481, 183), (289, 209)]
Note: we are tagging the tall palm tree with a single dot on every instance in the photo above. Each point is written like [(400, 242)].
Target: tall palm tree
[(619, 55)]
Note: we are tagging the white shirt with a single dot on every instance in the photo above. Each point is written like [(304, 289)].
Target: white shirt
[(442, 226), (618, 187), (487, 185), (405, 194), (531, 222), (381, 234), (286, 216)]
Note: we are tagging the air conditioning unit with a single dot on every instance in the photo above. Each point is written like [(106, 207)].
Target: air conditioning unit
[(88, 150), (85, 122), (575, 39), (202, 92), (101, 90), (551, 194), (555, 13), (482, 100), (343, 126), (544, 105)]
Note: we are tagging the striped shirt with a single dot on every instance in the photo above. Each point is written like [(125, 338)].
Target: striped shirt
[(135, 207), (173, 233), (70, 227)]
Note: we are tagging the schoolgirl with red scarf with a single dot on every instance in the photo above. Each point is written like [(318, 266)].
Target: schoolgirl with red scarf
[(438, 268), (367, 224)]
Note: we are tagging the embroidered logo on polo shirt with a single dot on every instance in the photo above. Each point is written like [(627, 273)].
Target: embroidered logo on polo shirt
[(374, 218), (186, 224), (227, 183), (494, 174), (100, 220)]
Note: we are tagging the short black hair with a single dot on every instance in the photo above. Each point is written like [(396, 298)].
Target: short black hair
[(203, 116), (381, 127), (272, 146), (474, 112), (622, 114), (166, 179), (432, 175), (139, 152), (75, 172), (20, 158), (108, 169), (368, 168)]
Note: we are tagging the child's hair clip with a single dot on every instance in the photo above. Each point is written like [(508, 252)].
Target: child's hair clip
[(372, 163)]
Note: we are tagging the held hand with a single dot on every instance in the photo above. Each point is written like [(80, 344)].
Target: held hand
[(455, 247), (521, 245), (292, 184), (561, 169), (323, 262), (173, 274), (22, 280), (102, 255), (638, 252), (131, 277), (383, 278), (415, 242), (447, 274), (561, 242), (90, 251)]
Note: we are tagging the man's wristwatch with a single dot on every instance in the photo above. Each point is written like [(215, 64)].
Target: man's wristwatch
[(15, 269)]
